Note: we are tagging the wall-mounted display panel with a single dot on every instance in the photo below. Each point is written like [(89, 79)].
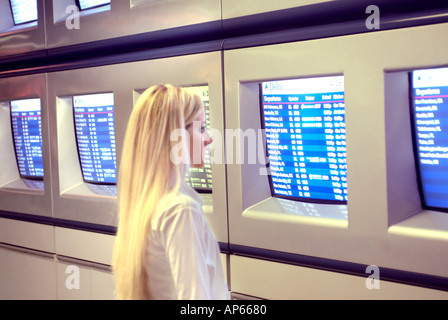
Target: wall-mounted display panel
[(429, 108), (380, 210), (22, 26), (90, 4), (305, 134), (95, 137), (27, 135), (204, 78), (74, 197), (84, 166), (25, 180), (23, 11), (67, 25)]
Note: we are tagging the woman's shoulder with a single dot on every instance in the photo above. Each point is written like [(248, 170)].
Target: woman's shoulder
[(179, 198), (178, 201), (175, 210)]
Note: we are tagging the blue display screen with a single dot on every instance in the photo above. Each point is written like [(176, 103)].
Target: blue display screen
[(27, 135), (430, 122), (87, 4), (24, 11), (95, 135), (305, 132)]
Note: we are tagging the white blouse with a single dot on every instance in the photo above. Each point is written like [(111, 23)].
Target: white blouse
[(183, 256)]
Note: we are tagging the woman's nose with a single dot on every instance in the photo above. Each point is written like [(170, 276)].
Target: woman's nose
[(208, 139)]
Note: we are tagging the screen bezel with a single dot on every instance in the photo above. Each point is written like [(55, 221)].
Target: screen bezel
[(413, 118), (22, 23), (77, 144), (22, 176), (263, 127)]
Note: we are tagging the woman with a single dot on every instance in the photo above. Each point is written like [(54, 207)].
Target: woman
[(164, 248)]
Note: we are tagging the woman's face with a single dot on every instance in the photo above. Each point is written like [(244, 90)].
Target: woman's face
[(199, 140)]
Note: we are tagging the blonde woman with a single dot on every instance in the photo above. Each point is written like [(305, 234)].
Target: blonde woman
[(164, 247)]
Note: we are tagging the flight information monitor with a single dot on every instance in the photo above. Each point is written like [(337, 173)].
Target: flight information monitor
[(305, 134), (429, 106), (201, 178), (88, 4), (24, 11), (95, 136), (27, 135)]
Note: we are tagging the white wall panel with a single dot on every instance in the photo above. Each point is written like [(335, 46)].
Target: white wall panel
[(26, 276), (26, 234), (276, 281), (71, 197), (124, 18), (15, 194), (379, 207)]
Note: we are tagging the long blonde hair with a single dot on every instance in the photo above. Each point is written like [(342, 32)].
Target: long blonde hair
[(147, 174)]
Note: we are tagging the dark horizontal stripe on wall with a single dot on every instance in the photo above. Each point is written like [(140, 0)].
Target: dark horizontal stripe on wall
[(197, 33), (356, 269), (70, 224), (77, 225), (87, 62)]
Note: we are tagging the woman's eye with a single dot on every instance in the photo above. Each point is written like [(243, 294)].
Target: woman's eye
[(202, 129)]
